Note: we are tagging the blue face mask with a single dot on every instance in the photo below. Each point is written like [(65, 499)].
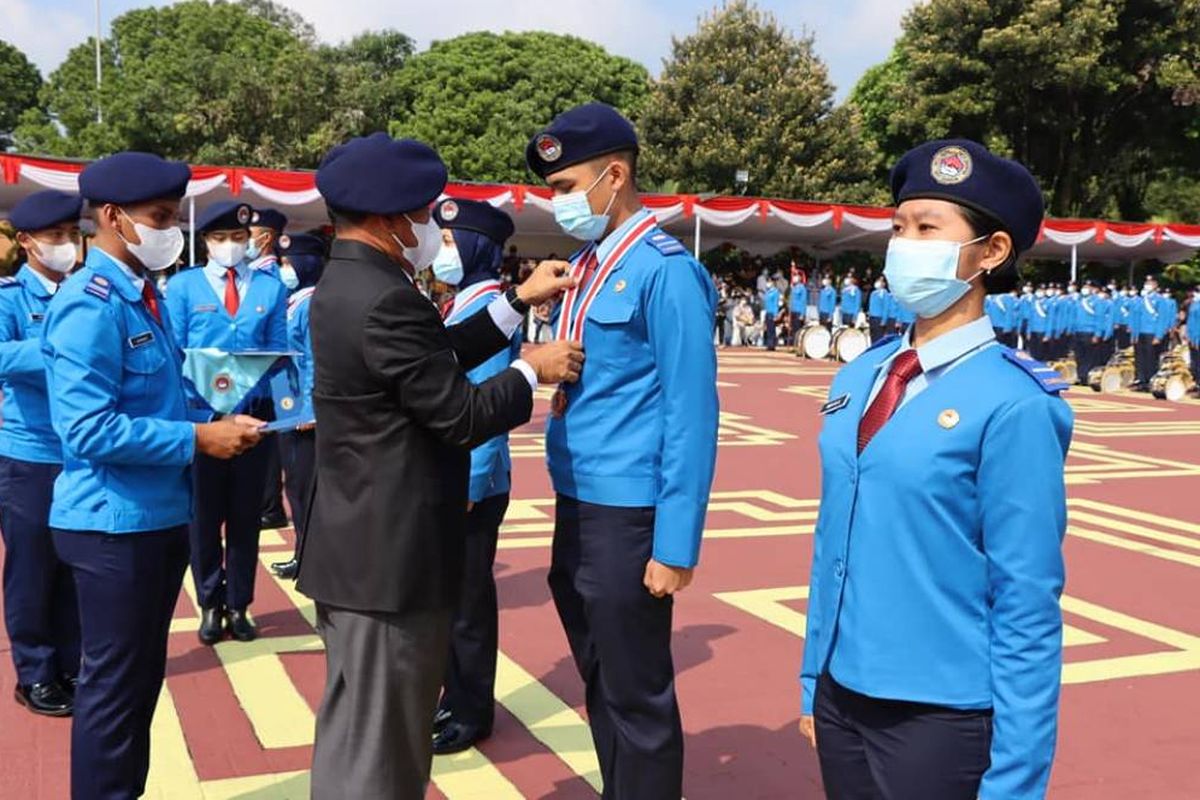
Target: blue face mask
[(573, 213), (923, 274), (253, 251), (288, 275), (448, 266)]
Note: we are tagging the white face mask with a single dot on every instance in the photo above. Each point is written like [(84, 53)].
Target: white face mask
[(157, 249), (227, 253), (287, 274), (58, 257), (429, 239)]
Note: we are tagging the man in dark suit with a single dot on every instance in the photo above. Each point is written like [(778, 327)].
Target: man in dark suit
[(396, 420)]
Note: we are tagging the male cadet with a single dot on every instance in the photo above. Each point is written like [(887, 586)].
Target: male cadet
[(1193, 336), (631, 448), (396, 419), (771, 304), (878, 307), (1149, 324), (228, 306), (1084, 328), (40, 611), (122, 503), (798, 306), (1103, 339), (1037, 324), (304, 256), (826, 302), (851, 302)]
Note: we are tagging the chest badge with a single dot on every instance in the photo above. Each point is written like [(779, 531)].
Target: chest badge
[(948, 418), (619, 287)]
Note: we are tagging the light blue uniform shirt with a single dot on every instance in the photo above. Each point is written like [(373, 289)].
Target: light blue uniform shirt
[(1193, 321), (771, 301), (827, 301), (27, 434), (300, 341), (851, 304), (798, 301), (640, 428), (937, 564), (879, 304), (117, 404)]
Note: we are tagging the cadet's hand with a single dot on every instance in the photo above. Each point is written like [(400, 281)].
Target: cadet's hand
[(548, 281), (556, 362), (228, 437), (808, 729), (663, 579)]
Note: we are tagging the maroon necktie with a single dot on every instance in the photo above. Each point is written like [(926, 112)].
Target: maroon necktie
[(150, 300), (905, 367)]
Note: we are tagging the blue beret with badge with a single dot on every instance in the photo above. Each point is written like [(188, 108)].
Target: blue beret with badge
[(269, 218), (302, 244), (228, 215), (472, 215), (580, 134), (46, 209), (377, 174), (131, 177), (967, 173)]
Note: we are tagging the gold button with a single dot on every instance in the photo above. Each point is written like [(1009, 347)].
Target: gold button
[(948, 418)]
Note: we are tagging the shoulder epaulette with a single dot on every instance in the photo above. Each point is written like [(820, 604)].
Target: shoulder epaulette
[(9, 282), (665, 243), (1046, 376), (891, 337), (98, 286)]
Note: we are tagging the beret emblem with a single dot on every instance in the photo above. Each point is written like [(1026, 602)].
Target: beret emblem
[(449, 210), (243, 215), (549, 149), (285, 241), (951, 165)]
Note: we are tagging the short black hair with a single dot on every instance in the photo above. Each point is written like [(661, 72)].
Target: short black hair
[(1003, 278), (341, 218)]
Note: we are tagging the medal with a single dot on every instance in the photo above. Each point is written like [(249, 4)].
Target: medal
[(558, 403)]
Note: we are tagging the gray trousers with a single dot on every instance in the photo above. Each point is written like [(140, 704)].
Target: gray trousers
[(374, 728)]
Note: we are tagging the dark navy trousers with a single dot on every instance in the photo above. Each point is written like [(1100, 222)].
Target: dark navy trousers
[(470, 683), (872, 749), (298, 451), (40, 611), (127, 585), (228, 493), (620, 637)]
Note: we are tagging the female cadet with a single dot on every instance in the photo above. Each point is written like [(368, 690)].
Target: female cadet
[(934, 643), (39, 594), (228, 306), (473, 237)]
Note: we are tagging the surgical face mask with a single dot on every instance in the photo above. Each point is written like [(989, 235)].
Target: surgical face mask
[(287, 274), (827, 282), (1072, 290), (448, 266), (878, 284), (253, 250), (923, 274), (58, 257), (227, 253), (1086, 290), (1028, 290), (429, 237), (573, 213), (158, 248), (1040, 293)]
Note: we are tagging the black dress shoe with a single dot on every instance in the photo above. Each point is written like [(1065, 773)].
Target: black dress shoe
[(241, 627), (276, 520), (212, 625), (49, 699), (457, 736), (286, 569), (68, 683), (441, 719)]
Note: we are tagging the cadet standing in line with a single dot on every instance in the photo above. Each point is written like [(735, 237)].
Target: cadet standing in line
[(1038, 324), (902, 316), (850, 302), (230, 307), (304, 256), (1103, 339), (1193, 335), (798, 307), (933, 654), (826, 302), (770, 312), (1148, 325), (473, 237), (122, 503), (40, 612), (1085, 327), (631, 448), (878, 307), (1123, 302)]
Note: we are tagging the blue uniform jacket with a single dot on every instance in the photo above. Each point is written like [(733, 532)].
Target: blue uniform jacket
[(1085, 320), (26, 434), (827, 301), (1105, 310), (1193, 322), (117, 403), (266, 263), (199, 319), (300, 341), (771, 301), (1039, 316), (491, 463), (1148, 315), (851, 304), (798, 300), (879, 304), (640, 428), (941, 583)]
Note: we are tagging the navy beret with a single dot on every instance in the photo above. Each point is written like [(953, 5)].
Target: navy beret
[(302, 244), (46, 209), (269, 218), (377, 174), (227, 215), (967, 173), (128, 178), (472, 215), (575, 136)]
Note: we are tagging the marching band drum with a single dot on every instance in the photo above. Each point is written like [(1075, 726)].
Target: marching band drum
[(816, 342)]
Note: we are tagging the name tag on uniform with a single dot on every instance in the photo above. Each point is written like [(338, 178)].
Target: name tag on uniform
[(142, 339), (836, 404), (202, 309), (36, 317)]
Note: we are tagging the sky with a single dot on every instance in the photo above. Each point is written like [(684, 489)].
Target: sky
[(851, 35)]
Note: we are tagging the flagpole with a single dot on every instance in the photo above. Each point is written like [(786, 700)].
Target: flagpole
[(99, 111)]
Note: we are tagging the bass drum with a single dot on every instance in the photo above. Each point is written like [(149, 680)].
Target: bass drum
[(1177, 387), (1114, 379), (815, 342), (849, 344)]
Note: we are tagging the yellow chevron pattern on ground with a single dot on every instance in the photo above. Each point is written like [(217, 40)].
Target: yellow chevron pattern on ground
[(1123, 430), (1093, 463)]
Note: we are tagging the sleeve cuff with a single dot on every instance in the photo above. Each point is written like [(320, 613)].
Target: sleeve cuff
[(505, 317), (524, 368)]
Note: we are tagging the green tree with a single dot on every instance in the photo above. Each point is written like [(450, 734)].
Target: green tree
[(19, 85), (1097, 97), (238, 82), (743, 93), (366, 66), (478, 98)]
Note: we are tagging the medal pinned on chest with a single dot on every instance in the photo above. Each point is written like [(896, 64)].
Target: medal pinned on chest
[(591, 275)]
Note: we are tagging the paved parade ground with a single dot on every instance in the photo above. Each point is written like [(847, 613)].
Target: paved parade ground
[(237, 721)]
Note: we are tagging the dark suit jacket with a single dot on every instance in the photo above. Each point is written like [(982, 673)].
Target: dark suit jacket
[(396, 421)]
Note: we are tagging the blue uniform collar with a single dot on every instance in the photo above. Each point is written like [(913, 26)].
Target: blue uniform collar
[(127, 282), (35, 283), (949, 347), (607, 244)]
